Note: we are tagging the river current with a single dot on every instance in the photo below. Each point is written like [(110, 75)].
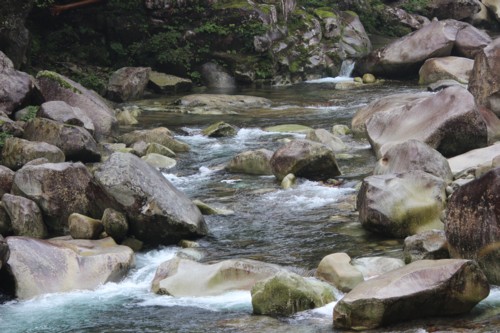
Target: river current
[(294, 228)]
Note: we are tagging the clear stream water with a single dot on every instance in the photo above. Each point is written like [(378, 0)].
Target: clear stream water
[(295, 228)]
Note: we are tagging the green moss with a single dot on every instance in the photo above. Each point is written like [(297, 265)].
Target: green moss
[(31, 112), (323, 14), (4, 136), (231, 4), (58, 79)]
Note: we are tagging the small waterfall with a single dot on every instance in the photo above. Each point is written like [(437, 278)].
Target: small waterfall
[(346, 68)]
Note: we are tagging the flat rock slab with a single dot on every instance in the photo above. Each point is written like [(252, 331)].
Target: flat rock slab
[(474, 158)]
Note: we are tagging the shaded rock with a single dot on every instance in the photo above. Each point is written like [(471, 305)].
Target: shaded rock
[(447, 121), (401, 204), (115, 224), (336, 269), (84, 227), (157, 148), (160, 135), (215, 76), (159, 161), (492, 123), (391, 103), (17, 90), (75, 142), (287, 293), (289, 128), (413, 155), (223, 101), (56, 87), (220, 129), (5, 224), (443, 84), (425, 288), (5, 62), (11, 128), (138, 148), (494, 7), (6, 179), (187, 244), (369, 78), (484, 83), (162, 83), (25, 216), (17, 152), (328, 139), (126, 118), (157, 212), (474, 159), (64, 113), (401, 58), (133, 243), (371, 267), (472, 225), (180, 277), (253, 162), (306, 159), (446, 68), (60, 189), (127, 83), (60, 265), (14, 37), (452, 9), (430, 244), (4, 251)]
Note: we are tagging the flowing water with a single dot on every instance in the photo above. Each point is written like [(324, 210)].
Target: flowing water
[(294, 228)]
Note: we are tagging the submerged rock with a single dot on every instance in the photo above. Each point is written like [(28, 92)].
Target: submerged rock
[(61, 265), (425, 288), (287, 293), (157, 212), (289, 128), (220, 129), (306, 159), (180, 277), (401, 204), (473, 225)]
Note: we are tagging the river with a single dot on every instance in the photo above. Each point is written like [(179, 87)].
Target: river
[(295, 228)]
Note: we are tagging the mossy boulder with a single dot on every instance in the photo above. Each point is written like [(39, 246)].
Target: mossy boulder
[(254, 162), (220, 129), (17, 152), (84, 227)]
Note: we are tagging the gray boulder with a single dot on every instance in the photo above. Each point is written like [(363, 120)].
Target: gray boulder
[(430, 244), (425, 288), (17, 90), (401, 204), (180, 277), (474, 159), (56, 87), (64, 113), (157, 148), (336, 269), (448, 121), (161, 83), (305, 159), (61, 265), (25, 216), (127, 83), (484, 83), (157, 212), (287, 293), (115, 224), (160, 135), (220, 129), (413, 155), (159, 161), (84, 227), (328, 139), (470, 41), (253, 162), (60, 189), (76, 143), (17, 152), (472, 225), (6, 179), (446, 68)]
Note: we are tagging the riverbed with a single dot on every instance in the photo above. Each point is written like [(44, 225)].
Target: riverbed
[(294, 228)]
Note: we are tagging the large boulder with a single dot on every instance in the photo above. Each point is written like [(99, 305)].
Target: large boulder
[(162, 83), (328, 139), (60, 189), (17, 90), (220, 129), (306, 159), (160, 135), (425, 288), (17, 152), (446, 68), (447, 121), (64, 113), (6, 179), (371, 267), (430, 244), (127, 83), (484, 83), (470, 41), (60, 265), (473, 226), (474, 159), (157, 212), (76, 143), (413, 155), (56, 87), (401, 204), (253, 162), (391, 103), (25, 216), (336, 269), (182, 277), (287, 293)]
